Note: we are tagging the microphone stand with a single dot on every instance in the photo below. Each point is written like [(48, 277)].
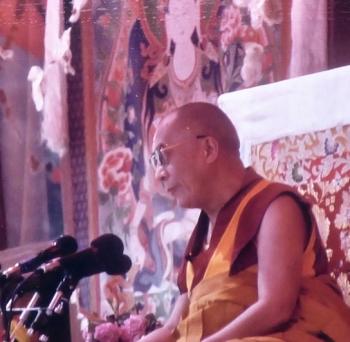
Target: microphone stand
[(57, 306), (24, 315), (44, 286)]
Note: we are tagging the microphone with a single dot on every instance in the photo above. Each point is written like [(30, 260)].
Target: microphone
[(64, 245), (104, 255)]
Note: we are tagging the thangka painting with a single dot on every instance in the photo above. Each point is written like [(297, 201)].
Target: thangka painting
[(152, 56), (318, 166)]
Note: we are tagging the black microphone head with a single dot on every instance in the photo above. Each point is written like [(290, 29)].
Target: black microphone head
[(65, 244), (109, 250), (104, 255), (119, 265), (108, 242), (62, 246)]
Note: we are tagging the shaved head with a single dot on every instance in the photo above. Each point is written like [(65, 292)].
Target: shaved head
[(196, 151), (207, 119)]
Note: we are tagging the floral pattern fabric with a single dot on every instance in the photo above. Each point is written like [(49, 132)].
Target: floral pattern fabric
[(318, 166)]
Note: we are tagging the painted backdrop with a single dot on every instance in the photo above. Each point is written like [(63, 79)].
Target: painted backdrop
[(152, 56)]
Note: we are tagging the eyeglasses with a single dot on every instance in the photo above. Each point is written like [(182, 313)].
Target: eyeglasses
[(158, 157)]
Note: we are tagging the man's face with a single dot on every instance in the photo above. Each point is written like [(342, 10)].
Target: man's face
[(177, 163)]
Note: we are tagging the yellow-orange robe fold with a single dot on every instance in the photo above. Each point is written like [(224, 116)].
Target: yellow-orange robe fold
[(221, 282)]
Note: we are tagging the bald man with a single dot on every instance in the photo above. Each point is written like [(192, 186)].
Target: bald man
[(254, 268)]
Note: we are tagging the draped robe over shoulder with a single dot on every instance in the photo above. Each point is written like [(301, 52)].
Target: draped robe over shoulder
[(221, 281)]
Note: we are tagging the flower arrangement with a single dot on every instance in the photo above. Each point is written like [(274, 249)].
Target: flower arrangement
[(128, 327), (128, 321)]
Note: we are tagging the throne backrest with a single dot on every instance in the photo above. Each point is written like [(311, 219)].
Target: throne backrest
[(318, 166), (297, 132)]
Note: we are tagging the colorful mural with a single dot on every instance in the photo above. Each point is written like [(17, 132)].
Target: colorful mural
[(317, 165), (152, 56)]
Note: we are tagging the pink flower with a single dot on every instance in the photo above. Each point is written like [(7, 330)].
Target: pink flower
[(107, 332), (133, 328)]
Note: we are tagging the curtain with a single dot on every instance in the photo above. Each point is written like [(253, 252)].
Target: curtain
[(30, 172), (309, 37), (338, 33), (3, 230)]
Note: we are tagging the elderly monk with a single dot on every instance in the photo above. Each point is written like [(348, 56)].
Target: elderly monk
[(254, 268)]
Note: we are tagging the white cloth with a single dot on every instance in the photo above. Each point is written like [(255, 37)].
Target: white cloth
[(36, 76), (78, 5), (54, 125), (296, 106)]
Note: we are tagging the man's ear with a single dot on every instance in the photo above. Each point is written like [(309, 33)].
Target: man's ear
[(210, 149)]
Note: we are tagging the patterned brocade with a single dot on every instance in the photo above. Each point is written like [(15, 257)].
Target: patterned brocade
[(318, 166)]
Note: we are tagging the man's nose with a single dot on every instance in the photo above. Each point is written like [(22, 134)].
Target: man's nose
[(161, 174)]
